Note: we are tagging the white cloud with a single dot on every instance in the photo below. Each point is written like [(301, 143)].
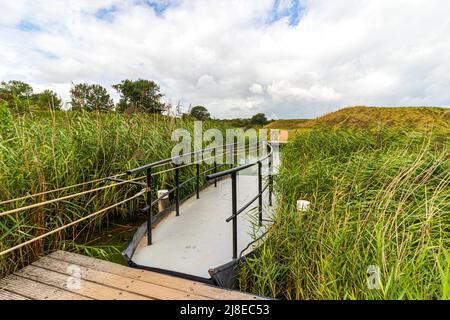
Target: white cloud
[(256, 88), (206, 81), (225, 54), (281, 91)]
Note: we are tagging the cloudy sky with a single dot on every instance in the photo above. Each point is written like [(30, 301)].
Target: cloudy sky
[(286, 58)]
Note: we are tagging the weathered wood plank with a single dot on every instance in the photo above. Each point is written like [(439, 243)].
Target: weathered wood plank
[(6, 295), (86, 288), (153, 277), (36, 290), (120, 282)]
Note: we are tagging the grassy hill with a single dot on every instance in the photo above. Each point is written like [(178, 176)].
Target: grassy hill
[(370, 117), (286, 124)]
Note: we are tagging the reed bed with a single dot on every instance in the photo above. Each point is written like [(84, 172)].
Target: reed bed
[(380, 197), (43, 151)]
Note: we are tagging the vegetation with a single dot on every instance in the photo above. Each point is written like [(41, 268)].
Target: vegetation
[(373, 117), (90, 97), (378, 180), (394, 117), (15, 90), (19, 96), (253, 122), (135, 96), (380, 197), (42, 151), (47, 99), (199, 113), (286, 124), (140, 95), (259, 119)]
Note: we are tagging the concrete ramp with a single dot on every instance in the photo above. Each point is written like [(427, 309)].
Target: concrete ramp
[(200, 238)]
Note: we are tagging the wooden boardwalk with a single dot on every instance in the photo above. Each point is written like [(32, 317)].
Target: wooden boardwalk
[(68, 276)]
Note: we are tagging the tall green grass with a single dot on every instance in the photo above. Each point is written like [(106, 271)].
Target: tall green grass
[(43, 151), (379, 197)]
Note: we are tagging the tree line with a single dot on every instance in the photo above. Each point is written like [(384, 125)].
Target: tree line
[(134, 96), (142, 95)]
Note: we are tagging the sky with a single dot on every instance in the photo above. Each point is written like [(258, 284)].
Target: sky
[(285, 58)]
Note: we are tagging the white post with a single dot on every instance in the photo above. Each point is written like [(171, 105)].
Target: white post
[(162, 203), (303, 205)]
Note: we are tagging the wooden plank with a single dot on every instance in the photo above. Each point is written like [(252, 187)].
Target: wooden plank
[(6, 295), (86, 288), (153, 277), (147, 289), (35, 290)]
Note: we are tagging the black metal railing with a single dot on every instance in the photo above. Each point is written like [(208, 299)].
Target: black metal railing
[(175, 161), (235, 211)]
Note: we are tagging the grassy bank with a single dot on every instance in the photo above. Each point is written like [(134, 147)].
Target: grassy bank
[(43, 151), (379, 197), (362, 117)]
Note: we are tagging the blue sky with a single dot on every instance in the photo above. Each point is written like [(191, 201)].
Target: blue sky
[(290, 10), (27, 26), (106, 13), (286, 58), (158, 6)]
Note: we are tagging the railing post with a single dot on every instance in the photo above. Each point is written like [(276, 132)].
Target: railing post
[(215, 167), (260, 204), (215, 171), (177, 190), (270, 177), (232, 157), (197, 166), (149, 206), (234, 212)]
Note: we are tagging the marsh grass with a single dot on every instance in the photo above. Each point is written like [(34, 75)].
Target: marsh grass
[(42, 151), (379, 197)]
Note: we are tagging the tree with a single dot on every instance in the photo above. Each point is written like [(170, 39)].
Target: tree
[(141, 94), (200, 113), (258, 119), (17, 94), (90, 97), (47, 99)]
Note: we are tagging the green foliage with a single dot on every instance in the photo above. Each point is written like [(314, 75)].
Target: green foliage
[(259, 119), (5, 117), (140, 95), (90, 97), (246, 123), (379, 197), (200, 113), (15, 88), (17, 94), (48, 150), (47, 99)]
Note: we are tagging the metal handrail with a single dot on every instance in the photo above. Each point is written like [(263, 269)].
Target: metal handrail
[(240, 168), (149, 179), (235, 211), (245, 206), (174, 159), (173, 189)]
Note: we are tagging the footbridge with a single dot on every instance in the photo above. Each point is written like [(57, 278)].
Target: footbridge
[(217, 209)]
